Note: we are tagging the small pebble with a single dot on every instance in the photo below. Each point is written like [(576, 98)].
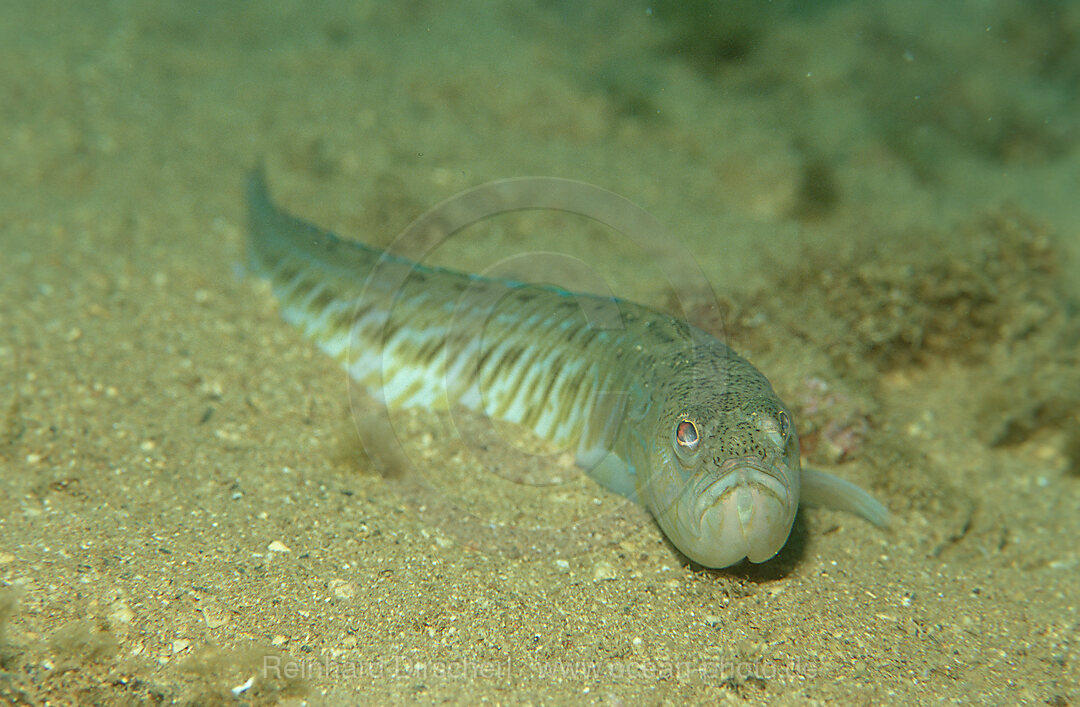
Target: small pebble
[(603, 571), (342, 589), (244, 686)]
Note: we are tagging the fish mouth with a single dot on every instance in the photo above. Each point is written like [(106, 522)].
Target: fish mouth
[(745, 509), (747, 481)]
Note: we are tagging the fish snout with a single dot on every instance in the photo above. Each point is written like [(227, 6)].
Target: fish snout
[(745, 511)]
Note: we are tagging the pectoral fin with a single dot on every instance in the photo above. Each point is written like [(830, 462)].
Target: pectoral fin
[(828, 491)]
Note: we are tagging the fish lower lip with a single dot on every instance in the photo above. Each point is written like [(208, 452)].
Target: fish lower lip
[(744, 505)]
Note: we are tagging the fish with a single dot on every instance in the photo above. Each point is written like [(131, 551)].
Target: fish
[(655, 408)]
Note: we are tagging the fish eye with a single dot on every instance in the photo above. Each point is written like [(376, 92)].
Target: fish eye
[(687, 435), (784, 423)]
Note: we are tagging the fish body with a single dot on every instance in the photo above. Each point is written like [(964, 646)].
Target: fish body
[(656, 409)]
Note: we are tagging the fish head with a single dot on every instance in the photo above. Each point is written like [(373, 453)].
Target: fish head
[(724, 474)]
